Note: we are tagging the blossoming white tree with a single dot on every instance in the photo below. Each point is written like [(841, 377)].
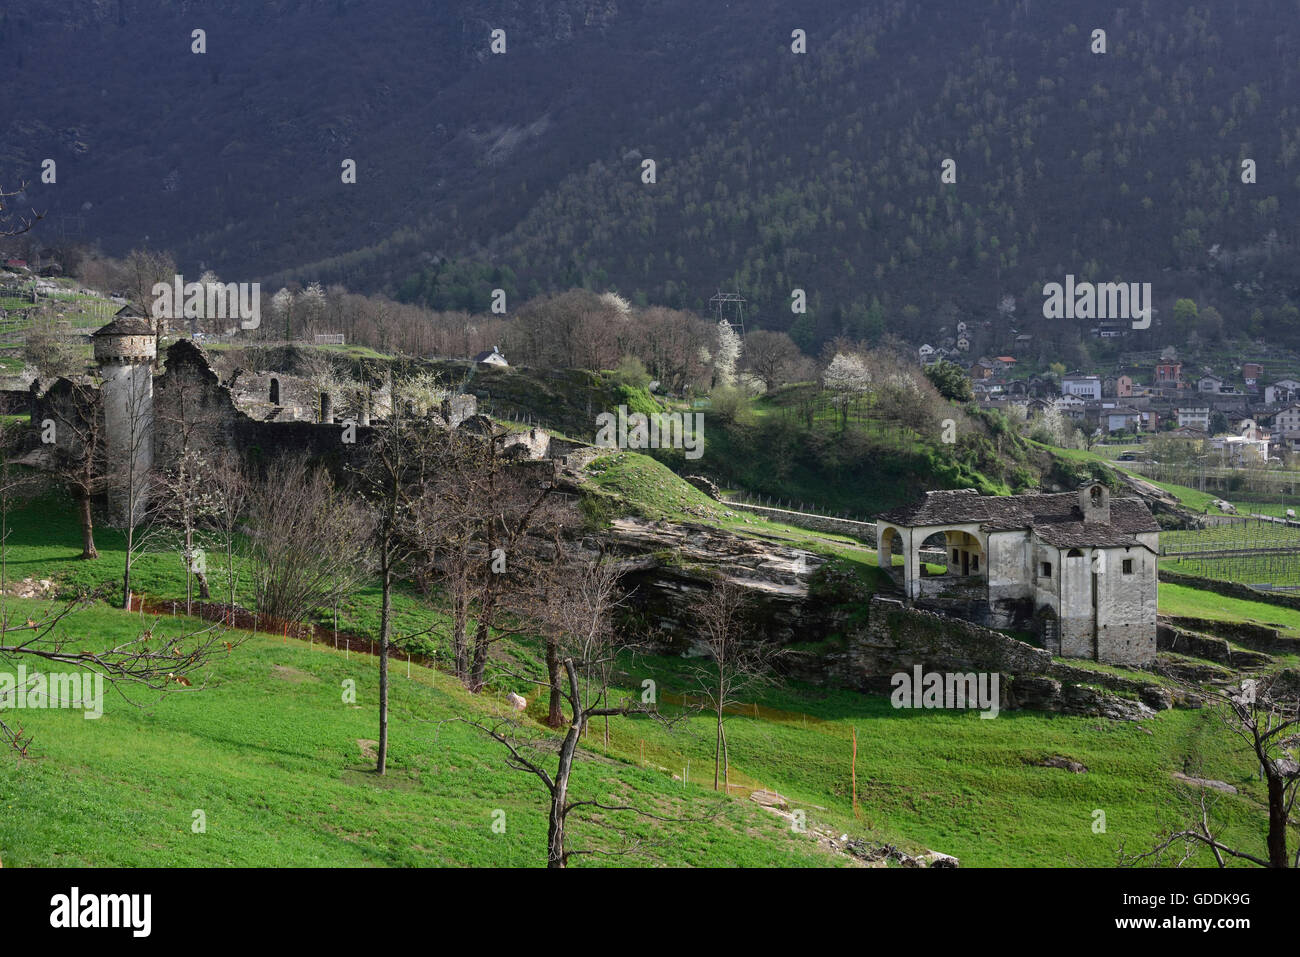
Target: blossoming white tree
[(729, 346)]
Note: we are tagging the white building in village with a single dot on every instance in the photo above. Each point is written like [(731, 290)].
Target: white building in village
[(1087, 386)]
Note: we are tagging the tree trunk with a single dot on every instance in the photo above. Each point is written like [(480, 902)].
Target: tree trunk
[(555, 853), (88, 549), (482, 638), (717, 750), (126, 578), (459, 638), (726, 762), (385, 625), (1276, 821), (556, 716), (555, 831)]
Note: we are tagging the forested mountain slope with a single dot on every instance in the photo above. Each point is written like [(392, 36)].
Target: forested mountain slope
[(774, 170)]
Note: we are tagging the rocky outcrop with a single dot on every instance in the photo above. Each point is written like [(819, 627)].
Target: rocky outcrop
[(1264, 638), (1190, 671), (670, 567), (1040, 693), (1064, 763), (1205, 783), (1157, 499), (897, 638), (1150, 693), (1210, 648), (705, 485)]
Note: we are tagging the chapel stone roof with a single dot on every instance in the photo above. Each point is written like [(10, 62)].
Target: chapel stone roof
[(1054, 517)]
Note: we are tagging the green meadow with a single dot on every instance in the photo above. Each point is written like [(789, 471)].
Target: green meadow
[(268, 748)]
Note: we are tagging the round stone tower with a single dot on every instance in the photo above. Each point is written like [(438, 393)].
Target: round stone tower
[(126, 350)]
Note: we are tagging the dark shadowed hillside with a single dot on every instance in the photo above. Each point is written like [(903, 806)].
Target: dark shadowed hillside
[(774, 170)]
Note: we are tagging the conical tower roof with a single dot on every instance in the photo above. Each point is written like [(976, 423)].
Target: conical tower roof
[(127, 321)]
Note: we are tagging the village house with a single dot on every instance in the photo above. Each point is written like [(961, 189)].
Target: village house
[(1251, 371), (1288, 420), (1117, 387), (1209, 383), (1124, 419), (1169, 374), (1078, 569), (1288, 442), (490, 360), (1088, 386), (1281, 392), (1195, 438), (1247, 427), (1239, 451), (1073, 406), (1197, 417)]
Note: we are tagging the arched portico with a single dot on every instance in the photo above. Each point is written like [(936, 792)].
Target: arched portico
[(965, 550)]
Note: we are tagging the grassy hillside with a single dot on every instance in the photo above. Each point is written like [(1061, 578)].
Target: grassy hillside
[(274, 757), (793, 445)]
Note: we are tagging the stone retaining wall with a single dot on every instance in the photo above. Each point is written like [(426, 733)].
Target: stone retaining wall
[(1230, 589), (862, 531), (1256, 637)]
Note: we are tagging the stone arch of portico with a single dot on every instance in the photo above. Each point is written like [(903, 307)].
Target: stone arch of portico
[(886, 536), (968, 540)]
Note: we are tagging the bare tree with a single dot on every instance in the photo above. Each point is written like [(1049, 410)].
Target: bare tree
[(186, 443), (1265, 714), (229, 485), (14, 485), (771, 356), (312, 304), (76, 458), (390, 480), (576, 329), (151, 660), (738, 663), (50, 353), (306, 537), (579, 603), (141, 271), (481, 522), (11, 225)]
